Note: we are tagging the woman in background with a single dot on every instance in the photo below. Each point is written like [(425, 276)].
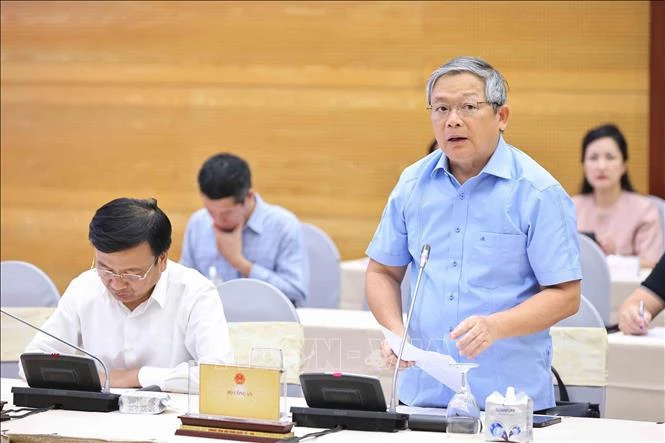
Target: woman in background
[(623, 221)]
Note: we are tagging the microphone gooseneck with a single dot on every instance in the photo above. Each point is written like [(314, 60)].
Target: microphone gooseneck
[(107, 382), (424, 257)]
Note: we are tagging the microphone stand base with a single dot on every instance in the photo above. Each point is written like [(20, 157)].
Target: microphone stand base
[(376, 421), (65, 399)]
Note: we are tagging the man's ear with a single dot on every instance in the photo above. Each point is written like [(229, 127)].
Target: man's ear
[(503, 113), (162, 260)]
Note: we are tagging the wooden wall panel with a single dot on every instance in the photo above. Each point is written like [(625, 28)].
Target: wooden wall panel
[(324, 99)]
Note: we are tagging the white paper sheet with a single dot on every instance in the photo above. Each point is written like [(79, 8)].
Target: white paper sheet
[(439, 366), (657, 332)]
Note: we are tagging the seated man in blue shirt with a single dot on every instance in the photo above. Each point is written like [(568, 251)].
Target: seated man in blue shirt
[(504, 263), (240, 235)]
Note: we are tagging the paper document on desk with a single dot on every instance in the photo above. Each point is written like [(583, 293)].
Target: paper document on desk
[(657, 332), (439, 366)]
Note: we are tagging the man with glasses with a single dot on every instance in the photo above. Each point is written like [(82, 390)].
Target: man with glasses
[(142, 314), (238, 235), (504, 262)]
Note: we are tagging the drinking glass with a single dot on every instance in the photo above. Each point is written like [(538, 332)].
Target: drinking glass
[(463, 413)]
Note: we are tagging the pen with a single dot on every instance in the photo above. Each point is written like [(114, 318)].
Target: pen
[(641, 314)]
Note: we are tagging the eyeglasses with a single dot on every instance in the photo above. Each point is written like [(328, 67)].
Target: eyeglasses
[(133, 278), (467, 109)]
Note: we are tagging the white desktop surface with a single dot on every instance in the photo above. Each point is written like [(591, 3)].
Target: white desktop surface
[(129, 427)]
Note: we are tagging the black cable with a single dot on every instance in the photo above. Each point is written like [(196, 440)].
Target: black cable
[(312, 435), (11, 414)]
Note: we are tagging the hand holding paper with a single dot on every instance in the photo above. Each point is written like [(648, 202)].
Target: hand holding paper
[(439, 366)]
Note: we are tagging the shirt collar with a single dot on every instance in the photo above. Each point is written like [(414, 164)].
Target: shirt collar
[(255, 221), (499, 163), (159, 292)]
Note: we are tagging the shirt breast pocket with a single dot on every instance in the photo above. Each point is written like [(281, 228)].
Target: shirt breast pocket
[(496, 260)]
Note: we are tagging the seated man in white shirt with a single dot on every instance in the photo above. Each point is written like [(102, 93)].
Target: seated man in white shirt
[(142, 314)]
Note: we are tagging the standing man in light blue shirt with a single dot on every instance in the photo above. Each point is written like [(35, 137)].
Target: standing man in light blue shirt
[(240, 235), (504, 263)]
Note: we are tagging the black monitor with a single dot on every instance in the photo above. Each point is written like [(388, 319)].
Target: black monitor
[(336, 390), (60, 371)]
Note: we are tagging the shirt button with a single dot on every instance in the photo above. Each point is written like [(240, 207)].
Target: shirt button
[(452, 297), (457, 230), (450, 329), (461, 196), (454, 264)]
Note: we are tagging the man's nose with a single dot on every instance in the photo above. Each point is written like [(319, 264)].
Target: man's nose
[(453, 119), (117, 283)]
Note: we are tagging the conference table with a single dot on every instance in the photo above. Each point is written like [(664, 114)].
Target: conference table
[(353, 288), (633, 371), (62, 425)]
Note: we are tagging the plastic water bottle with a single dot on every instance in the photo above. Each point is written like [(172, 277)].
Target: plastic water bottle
[(141, 402)]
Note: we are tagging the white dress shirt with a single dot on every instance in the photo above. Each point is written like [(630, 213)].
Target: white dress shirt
[(182, 320)]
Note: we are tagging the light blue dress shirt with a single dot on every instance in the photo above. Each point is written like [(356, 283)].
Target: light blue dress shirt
[(495, 240), (272, 239)]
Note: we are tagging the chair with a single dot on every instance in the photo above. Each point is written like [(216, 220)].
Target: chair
[(596, 284), (324, 271), (660, 203), (24, 284), (248, 299), (581, 352)]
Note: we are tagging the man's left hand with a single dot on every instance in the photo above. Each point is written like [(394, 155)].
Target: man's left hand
[(477, 334)]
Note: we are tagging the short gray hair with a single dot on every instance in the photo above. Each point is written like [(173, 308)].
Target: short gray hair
[(496, 87)]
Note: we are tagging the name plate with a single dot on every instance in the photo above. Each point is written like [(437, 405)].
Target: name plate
[(239, 391)]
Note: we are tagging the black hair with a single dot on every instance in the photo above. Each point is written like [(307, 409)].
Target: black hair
[(225, 175), (124, 223), (612, 131), (432, 147)]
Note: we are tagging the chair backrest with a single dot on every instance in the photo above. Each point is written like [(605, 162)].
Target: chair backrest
[(248, 299), (24, 284), (587, 316), (661, 210), (596, 283), (324, 269)]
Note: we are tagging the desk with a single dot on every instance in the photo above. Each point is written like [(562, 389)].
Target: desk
[(636, 376), (126, 427), (353, 288), (349, 341)]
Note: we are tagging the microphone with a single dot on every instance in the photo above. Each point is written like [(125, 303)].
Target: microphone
[(67, 399), (424, 257)]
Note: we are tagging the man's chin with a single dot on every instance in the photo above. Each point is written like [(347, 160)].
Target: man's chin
[(226, 230)]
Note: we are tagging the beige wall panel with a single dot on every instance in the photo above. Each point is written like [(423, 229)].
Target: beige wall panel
[(324, 99)]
